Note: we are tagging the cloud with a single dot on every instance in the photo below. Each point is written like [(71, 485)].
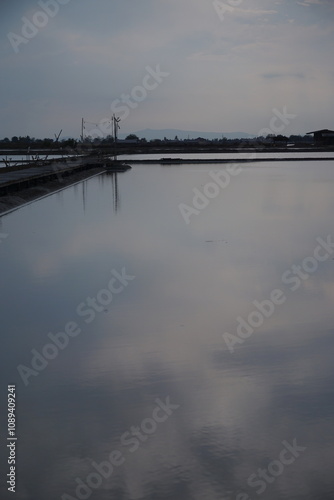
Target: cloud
[(308, 3), (249, 12), (86, 57), (300, 76)]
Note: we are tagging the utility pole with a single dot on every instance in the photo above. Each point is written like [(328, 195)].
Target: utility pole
[(82, 129), (116, 127)]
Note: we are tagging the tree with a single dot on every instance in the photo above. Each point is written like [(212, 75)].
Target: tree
[(47, 142), (132, 137), (280, 138), (69, 143)]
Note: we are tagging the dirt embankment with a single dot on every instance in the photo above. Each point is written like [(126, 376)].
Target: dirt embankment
[(9, 202)]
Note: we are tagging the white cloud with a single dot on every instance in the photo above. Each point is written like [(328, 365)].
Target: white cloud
[(256, 12)]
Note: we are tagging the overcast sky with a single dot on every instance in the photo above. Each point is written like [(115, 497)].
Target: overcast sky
[(228, 64)]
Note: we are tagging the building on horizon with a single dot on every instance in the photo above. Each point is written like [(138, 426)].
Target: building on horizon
[(323, 137)]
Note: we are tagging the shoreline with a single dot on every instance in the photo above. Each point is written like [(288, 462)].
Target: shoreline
[(11, 202), (31, 188), (180, 161)]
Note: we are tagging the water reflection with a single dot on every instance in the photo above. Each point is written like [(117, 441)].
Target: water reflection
[(114, 181), (162, 336)]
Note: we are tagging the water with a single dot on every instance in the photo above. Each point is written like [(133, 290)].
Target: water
[(161, 336), (231, 156)]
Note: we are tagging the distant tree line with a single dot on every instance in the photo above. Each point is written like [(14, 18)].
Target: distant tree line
[(48, 143), (27, 141)]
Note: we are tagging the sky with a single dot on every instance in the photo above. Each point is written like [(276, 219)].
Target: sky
[(203, 65)]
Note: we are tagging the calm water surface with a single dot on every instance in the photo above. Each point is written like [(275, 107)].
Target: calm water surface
[(144, 399), (233, 155)]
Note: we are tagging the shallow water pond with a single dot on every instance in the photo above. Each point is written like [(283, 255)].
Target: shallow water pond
[(170, 334)]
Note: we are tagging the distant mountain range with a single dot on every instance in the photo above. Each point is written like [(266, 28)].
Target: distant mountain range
[(170, 133)]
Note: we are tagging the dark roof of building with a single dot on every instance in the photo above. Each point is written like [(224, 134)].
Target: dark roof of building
[(322, 131)]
